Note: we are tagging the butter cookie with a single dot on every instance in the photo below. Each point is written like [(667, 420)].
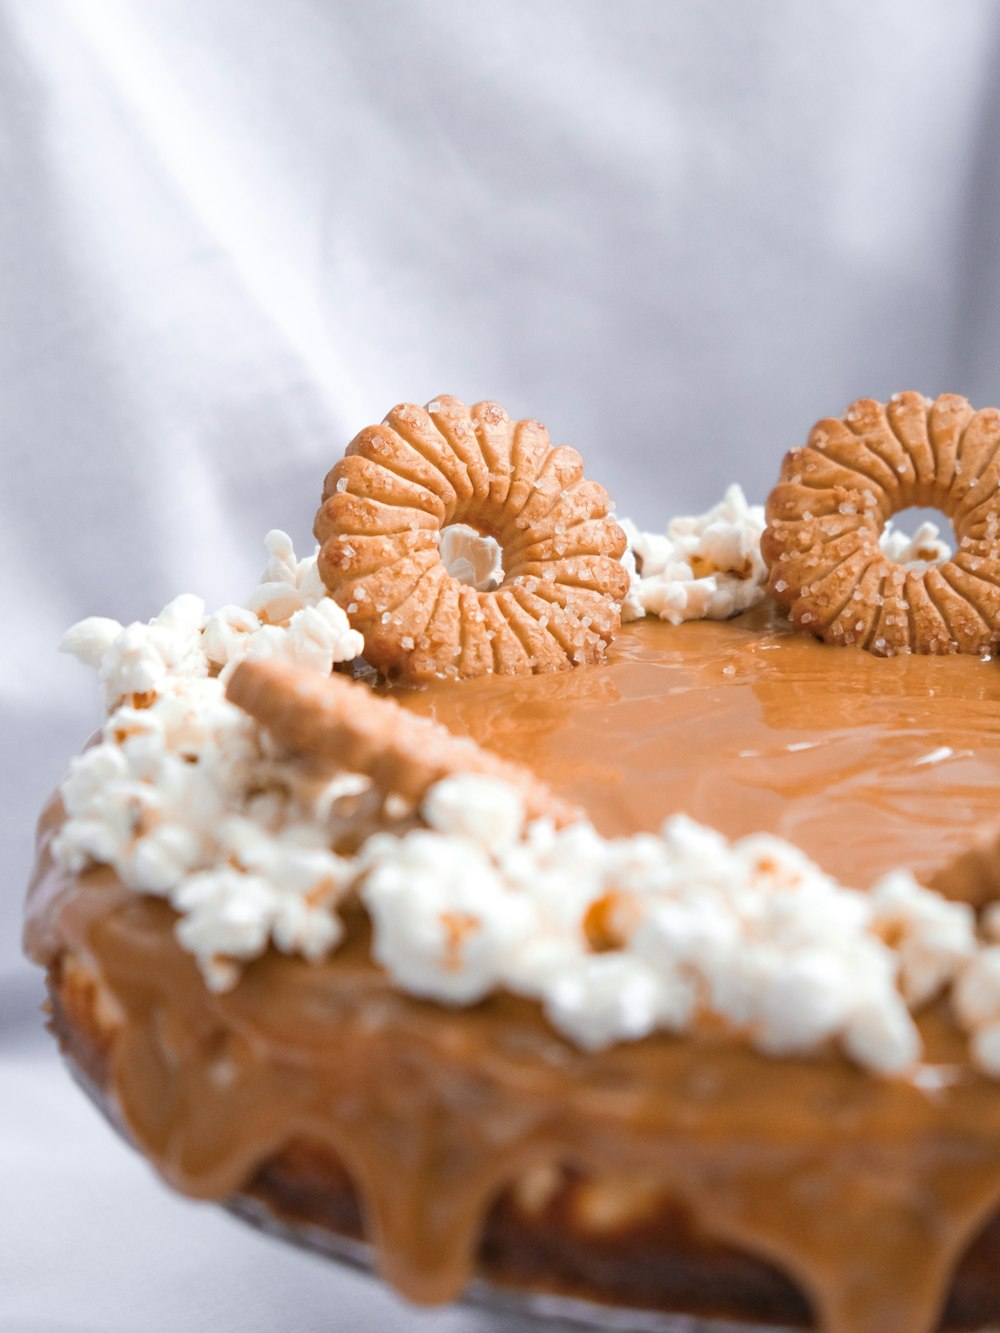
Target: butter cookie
[(422, 470), (827, 513)]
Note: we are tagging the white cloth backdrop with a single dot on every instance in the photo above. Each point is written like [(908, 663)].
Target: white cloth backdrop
[(234, 231)]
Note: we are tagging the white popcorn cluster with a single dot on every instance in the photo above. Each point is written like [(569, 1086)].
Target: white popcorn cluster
[(471, 558), (615, 938), (180, 795), (290, 617), (976, 997), (620, 938), (925, 547), (707, 567)]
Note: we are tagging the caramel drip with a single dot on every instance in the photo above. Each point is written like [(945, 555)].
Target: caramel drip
[(866, 764), (865, 1191)]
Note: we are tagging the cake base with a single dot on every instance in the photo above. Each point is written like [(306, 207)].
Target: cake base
[(550, 1246)]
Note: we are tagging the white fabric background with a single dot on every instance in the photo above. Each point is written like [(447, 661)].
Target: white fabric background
[(233, 231)]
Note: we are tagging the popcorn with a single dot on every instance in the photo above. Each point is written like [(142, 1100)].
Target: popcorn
[(138, 659), (227, 634), (444, 919), (287, 585), (750, 933), (163, 857), (605, 998), (290, 619), (985, 1047), (88, 640), (224, 913), (471, 558), (315, 638), (803, 1000), (925, 547), (179, 796), (489, 812), (707, 567), (976, 996), (932, 936), (186, 798), (688, 935), (710, 567), (320, 635), (882, 1036)]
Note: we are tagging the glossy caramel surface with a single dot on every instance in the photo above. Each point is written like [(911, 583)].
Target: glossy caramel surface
[(866, 763)]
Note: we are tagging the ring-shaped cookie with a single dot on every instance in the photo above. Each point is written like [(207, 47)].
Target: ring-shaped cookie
[(827, 513), (400, 484)]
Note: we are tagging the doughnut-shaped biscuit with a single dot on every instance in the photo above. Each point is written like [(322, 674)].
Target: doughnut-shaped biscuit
[(834, 496), (400, 484)]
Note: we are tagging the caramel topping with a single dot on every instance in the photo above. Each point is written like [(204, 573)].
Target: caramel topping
[(865, 1191), (866, 764)]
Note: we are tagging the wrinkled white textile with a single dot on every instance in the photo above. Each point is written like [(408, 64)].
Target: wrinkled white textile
[(234, 231)]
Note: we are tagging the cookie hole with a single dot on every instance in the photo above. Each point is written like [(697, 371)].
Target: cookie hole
[(918, 538), (470, 557)]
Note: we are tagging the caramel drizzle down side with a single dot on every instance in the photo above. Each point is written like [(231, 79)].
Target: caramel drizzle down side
[(865, 1192)]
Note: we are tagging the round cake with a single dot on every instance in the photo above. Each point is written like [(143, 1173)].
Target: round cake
[(418, 904)]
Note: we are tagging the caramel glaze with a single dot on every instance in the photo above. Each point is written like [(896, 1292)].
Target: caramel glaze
[(865, 763), (864, 1191)]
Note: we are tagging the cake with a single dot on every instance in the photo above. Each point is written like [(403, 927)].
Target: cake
[(420, 904)]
